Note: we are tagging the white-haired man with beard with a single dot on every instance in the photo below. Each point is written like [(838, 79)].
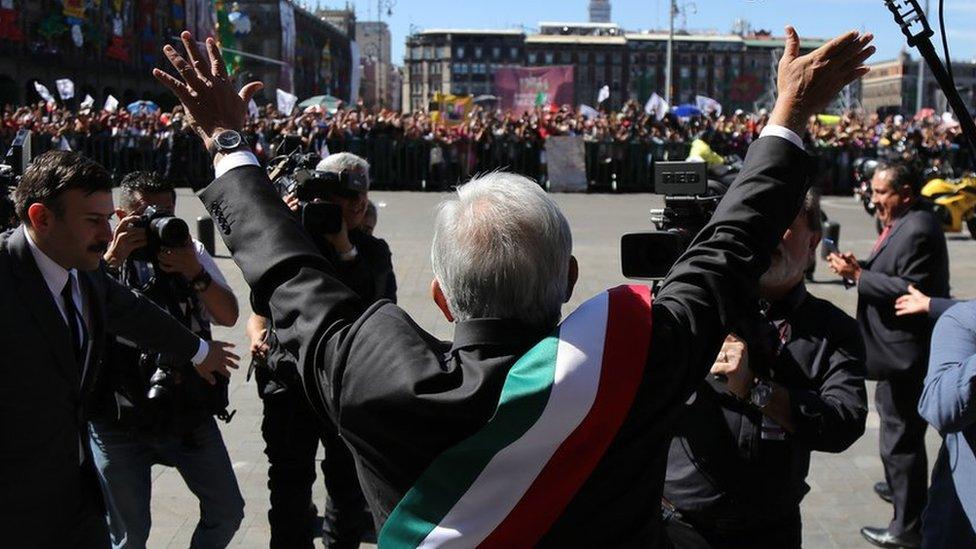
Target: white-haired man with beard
[(737, 464)]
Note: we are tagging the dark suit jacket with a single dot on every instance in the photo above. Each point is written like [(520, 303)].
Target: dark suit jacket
[(914, 253), (42, 394), (400, 397)]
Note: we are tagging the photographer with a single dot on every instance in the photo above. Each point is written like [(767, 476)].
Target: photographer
[(476, 441), (741, 451), (147, 412), (291, 431)]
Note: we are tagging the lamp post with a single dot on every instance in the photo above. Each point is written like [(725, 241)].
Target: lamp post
[(673, 10)]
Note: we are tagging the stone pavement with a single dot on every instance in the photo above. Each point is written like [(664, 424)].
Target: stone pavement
[(840, 501)]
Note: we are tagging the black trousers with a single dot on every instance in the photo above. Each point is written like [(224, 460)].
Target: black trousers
[(292, 433), (690, 531), (903, 447)]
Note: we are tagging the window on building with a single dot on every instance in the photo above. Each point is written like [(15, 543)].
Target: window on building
[(685, 72), (565, 57), (584, 57), (435, 68), (702, 72), (459, 52), (550, 58), (531, 57), (496, 52), (600, 58), (477, 52), (513, 52)]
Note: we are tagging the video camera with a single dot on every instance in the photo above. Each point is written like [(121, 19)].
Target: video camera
[(690, 199), (163, 230), (295, 174)]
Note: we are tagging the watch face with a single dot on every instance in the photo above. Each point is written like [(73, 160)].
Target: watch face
[(761, 394), (228, 140)]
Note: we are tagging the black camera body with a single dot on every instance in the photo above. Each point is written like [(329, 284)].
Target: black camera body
[(296, 174), (690, 199), (163, 229), (15, 161)]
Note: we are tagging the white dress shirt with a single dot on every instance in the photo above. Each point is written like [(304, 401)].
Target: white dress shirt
[(56, 276)]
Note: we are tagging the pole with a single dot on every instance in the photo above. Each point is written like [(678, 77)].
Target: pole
[(670, 63), (920, 85)]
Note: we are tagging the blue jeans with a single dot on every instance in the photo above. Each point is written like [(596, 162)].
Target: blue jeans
[(124, 461)]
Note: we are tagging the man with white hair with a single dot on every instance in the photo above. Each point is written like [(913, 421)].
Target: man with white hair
[(521, 431), (292, 433)]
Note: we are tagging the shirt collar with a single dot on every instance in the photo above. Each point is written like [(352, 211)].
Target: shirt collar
[(55, 276)]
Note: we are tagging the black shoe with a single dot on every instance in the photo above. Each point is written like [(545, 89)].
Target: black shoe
[(883, 490), (882, 538)]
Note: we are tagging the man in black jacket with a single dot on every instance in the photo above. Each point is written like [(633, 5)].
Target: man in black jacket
[(502, 260), (911, 250), (291, 430), (741, 454), (59, 304)]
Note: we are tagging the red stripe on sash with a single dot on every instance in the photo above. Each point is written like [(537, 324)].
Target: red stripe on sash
[(625, 354)]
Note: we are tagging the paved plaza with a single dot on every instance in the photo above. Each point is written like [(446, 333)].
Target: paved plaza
[(840, 500)]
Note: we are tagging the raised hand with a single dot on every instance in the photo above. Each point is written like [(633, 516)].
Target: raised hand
[(206, 91), (806, 84), (219, 359)]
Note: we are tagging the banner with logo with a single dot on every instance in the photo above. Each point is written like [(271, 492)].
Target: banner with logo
[(450, 109), (522, 88)]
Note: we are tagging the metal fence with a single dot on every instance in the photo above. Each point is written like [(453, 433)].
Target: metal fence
[(420, 164)]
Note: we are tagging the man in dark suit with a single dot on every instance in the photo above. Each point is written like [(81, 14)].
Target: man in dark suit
[(406, 402), (911, 250), (58, 304)]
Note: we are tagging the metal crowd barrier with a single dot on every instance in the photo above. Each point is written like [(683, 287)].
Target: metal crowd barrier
[(421, 164)]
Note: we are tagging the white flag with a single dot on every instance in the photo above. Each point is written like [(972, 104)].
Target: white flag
[(87, 103), (111, 104), (589, 112), (44, 92), (252, 109), (286, 102), (66, 88), (603, 95), (708, 105), (656, 105)]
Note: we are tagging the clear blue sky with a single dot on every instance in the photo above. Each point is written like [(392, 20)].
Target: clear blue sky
[(813, 18)]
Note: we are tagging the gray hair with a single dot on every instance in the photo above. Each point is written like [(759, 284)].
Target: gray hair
[(502, 249), (342, 162)]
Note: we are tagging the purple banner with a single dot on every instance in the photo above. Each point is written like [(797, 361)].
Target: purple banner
[(524, 88)]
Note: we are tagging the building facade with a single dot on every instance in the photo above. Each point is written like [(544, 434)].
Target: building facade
[(892, 87), (375, 47), (738, 71)]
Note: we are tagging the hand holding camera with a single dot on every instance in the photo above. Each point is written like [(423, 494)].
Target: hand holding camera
[(182, 260), (129, 236), (733, 364)]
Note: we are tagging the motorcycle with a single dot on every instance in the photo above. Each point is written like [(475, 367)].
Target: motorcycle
[(953, 202)]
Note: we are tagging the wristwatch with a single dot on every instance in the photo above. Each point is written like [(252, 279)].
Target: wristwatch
[(201, 282), (761, 393), (226, 141)]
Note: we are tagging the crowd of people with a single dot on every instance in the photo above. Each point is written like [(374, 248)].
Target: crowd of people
[(414, 146), (685, 419)]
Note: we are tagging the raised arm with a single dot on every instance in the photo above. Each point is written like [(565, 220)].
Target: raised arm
[(716, 280)]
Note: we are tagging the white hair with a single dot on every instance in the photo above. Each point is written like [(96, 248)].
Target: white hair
[(341, 162), (502, 249)]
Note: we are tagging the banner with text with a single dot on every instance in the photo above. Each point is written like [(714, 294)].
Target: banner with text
[(524, 88)]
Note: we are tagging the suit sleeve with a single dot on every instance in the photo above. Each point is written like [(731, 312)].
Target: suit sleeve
[(134, 317), (289, 278), (832, 417), (716, 280), (939, 305), (947, 401), (918, 264)]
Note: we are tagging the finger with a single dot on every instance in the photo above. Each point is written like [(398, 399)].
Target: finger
[(217, 66), (230, 356), (859, 58), (192, 81), (792, 49), (196, 58), (914, 291), (849, 49), (179, 89), (222, 371), (249, 90), (839, 43)]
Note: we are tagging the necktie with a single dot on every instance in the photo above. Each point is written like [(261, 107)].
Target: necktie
[(881, 239), (76, 324)]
